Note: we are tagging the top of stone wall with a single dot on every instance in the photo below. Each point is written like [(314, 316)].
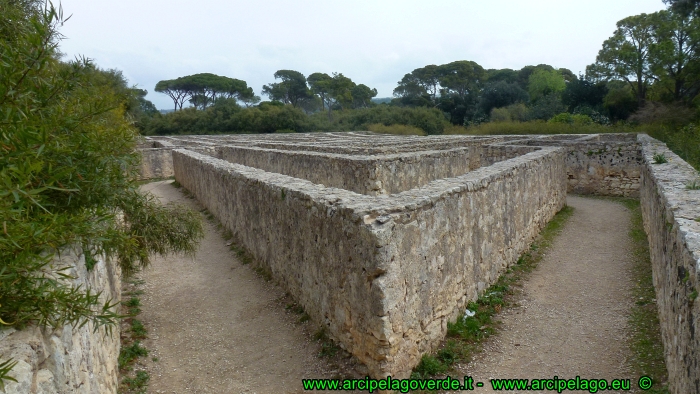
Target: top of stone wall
[(672, 179)]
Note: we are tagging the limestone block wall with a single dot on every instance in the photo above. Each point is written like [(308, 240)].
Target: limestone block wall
[(491, 154), (156, 163), (307, 235), (671, 220), (389, 145), (457, 239), (603, 168), (600, 164), (384, 273), (67, 360), (371, 175)]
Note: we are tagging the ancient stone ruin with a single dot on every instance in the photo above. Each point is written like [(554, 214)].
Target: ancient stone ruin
[(385, 239)]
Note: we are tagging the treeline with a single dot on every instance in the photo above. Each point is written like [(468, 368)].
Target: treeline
[(647, 73)]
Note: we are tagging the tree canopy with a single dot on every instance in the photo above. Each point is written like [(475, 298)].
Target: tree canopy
[(292, 90), (202, 90)]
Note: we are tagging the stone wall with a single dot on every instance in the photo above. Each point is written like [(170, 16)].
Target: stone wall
[(67, 360), (672, 223), (156, 163), (364, 174), (600, 164), (385, 274)]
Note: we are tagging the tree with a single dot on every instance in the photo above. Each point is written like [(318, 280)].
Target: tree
[(525, 72), (142, 105), (174, 89), (501, 94), (333, 91), (362, 96), (674, 56), (584, 92), (424, 81), (320, 84), (625, 55), (505, 74), (67, 163), (543, 83), (292, 90), (410, 87), (203, 89), (341, 90), (462, 78), (621, 101), (546, 107), (684, 7)]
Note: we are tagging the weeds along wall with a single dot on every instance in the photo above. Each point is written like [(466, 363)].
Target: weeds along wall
[(384, 274), (68, 359), (671, 214)]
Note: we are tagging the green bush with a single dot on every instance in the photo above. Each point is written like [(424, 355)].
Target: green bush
[(67, 166), (228, 117), (567, 118), (538, 127)]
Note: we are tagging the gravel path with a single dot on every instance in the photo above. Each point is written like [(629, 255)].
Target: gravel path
[(571, 320), (217, 327)]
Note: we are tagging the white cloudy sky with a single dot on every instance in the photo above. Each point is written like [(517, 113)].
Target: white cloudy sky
[(372, 42)]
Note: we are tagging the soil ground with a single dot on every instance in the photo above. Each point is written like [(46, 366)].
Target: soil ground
[(215, 326), (571, 318)]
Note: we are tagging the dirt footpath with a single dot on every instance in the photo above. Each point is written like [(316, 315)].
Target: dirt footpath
[(217, 327), (572, 318)]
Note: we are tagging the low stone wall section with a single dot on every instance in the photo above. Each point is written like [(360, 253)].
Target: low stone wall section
[(156, 163), (371, 175), (600, 164), (672, 222), (68, 359), (384, 274)]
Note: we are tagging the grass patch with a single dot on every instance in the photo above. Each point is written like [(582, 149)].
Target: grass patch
[(138, 383), (264, 273), (466, 334), (328, 346), (243, 256), (133, 331), (130, 353), (298, 310), (133, 302), (138, 331), (645, 338), (660, 158), (534, 127), (693, 185)]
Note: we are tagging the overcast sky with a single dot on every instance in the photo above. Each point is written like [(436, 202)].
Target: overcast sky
[(372, 42)]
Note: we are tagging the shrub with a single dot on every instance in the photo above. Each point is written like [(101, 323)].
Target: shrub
[(500, 115), (577, 119), (537, 127), (67, 166)]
